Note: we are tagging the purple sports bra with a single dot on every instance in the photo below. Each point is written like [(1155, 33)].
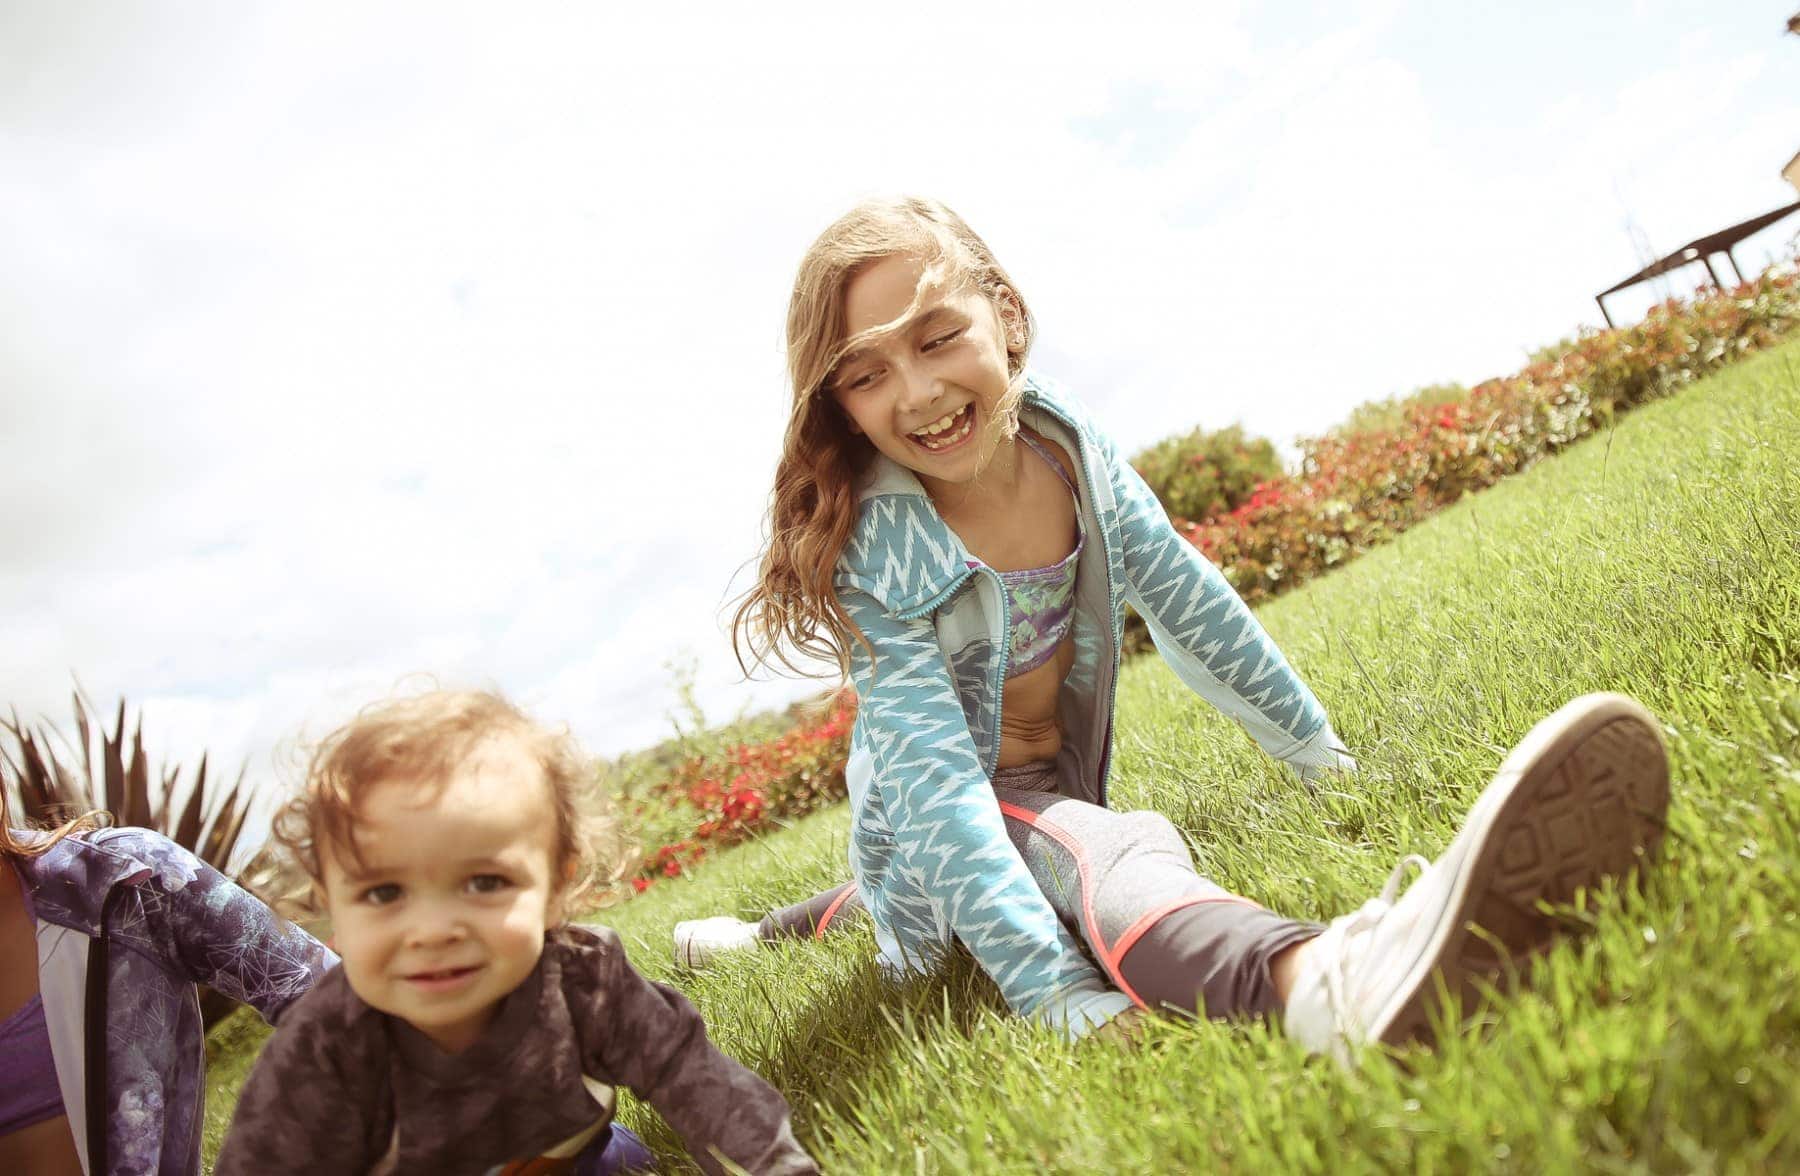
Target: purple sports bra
[(28, 1091), (29, 1094), (1043, 599)]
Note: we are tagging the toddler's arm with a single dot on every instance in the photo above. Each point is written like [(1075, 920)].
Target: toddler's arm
[(647, 1036)]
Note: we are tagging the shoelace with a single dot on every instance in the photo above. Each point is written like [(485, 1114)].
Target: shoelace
[(1358, 927)]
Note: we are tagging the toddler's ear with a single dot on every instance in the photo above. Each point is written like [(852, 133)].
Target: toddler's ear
[(559, 898)]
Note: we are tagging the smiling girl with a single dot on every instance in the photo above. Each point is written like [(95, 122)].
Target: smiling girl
[(961, 539)]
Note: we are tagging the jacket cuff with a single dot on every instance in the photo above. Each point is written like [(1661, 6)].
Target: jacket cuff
[(1079, 1011), (1320, 756)]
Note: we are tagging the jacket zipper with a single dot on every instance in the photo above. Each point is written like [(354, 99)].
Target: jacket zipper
[(1005, 643), (991, 757), (938, 598), (1112, 687), (94, 1044)]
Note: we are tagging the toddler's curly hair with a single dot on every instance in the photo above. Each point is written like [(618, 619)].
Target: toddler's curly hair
[(422, 739)]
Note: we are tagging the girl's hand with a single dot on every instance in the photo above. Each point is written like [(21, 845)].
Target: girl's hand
[(1126, 1029), (1337, 761), (1321, 757)]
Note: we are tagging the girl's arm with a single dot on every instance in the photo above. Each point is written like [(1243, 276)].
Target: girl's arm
[(1209, 636), (649, 1037), (949, 832), (207, 928)]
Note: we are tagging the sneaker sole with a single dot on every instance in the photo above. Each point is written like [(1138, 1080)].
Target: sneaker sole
[(1582, 798)]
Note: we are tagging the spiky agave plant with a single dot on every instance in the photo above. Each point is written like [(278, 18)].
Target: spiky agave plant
[(53, 777)]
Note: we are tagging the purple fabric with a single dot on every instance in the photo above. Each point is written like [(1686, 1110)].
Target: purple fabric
[(1037, 776), (621, 1152), (30, 1094), (1043, 599), (170, 922)]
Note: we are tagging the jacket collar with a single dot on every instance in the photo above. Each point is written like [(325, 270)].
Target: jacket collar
[(69, 881), (900, 551)]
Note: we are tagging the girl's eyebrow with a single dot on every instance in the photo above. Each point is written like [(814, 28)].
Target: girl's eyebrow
[(850, 357), (915, 322)]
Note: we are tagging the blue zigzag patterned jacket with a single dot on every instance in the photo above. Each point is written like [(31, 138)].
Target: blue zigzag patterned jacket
[(927, 844)]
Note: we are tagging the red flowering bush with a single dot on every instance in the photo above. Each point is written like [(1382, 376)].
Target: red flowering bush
[(1358, 489), (1377, 416), (723, 798)]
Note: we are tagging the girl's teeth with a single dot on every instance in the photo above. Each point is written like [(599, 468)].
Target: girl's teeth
[(928, 435), (939, 425)]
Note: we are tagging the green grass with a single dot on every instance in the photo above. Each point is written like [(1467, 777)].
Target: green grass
[(1661, 559)]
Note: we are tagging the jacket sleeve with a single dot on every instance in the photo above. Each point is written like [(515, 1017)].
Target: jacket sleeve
[(216, 933), (1209, 636), (647, 1036), (950, 834)]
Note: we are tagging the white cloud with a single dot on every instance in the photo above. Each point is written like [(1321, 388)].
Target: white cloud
[(344, 344)]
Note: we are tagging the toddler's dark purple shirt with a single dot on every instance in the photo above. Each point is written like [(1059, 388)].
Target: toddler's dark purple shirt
[(342, 1087)]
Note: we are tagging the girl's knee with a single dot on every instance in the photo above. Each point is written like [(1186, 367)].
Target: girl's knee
[(1154, 828)]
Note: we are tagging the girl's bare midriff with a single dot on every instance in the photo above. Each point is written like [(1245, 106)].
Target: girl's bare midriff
[(45, 1147), (1028, 728), (1038, 530)]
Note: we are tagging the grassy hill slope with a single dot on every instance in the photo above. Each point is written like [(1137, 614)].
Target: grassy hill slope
[(1662, 559)]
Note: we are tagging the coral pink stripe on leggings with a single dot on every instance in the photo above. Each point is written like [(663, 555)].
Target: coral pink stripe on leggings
[(1124, 883)]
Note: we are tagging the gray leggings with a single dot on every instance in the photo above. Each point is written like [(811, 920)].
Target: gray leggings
[(1126, 886)]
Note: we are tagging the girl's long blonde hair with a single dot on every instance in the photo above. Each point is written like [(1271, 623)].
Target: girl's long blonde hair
[(36, 842), (793, 608)]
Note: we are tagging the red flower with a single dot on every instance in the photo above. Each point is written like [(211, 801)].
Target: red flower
[(640, 884), (744, 804)]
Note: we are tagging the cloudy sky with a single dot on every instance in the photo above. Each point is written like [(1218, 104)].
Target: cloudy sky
[(343, 342)]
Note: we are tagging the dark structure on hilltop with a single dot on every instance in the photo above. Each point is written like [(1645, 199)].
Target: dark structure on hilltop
[(1702, 250)]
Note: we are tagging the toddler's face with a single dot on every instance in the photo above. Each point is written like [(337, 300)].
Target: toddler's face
[(926, 395), (446, 913)]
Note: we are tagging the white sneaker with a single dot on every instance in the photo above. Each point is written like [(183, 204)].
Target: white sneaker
[(1581, 798), (697, 941)]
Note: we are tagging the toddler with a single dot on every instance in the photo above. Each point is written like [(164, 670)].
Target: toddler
[(469, 1028)]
